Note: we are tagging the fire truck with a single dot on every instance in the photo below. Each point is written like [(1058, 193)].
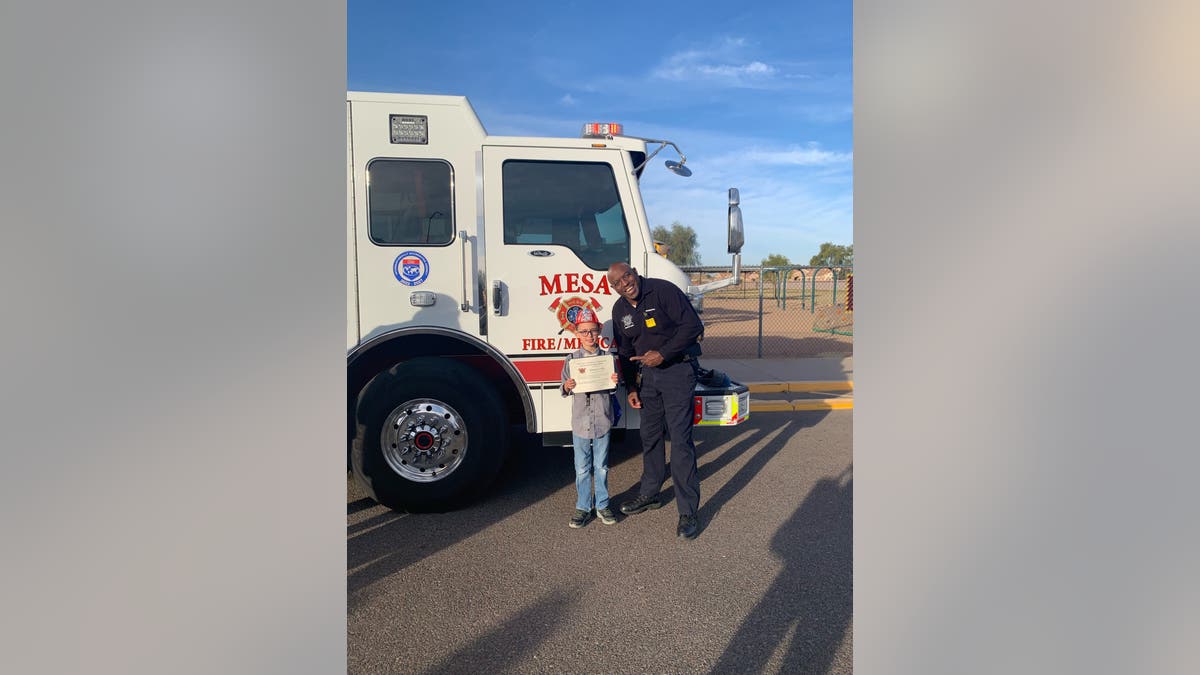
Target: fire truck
[(468, 258)]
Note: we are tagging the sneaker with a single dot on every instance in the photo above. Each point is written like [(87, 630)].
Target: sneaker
[(640, 503), (607, 516), (580, 518), (689, 527)]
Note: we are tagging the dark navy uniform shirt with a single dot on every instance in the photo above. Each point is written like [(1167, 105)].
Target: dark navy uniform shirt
[(663, 321)]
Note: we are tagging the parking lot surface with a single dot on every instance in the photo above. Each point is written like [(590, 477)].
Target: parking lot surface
[(505, 586)]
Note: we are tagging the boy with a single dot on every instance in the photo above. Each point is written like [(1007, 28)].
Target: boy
[(591, 420)]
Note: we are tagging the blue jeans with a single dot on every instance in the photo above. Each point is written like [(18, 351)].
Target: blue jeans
[(591, 458)]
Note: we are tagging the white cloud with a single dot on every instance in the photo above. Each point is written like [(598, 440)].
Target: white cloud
[(811, 155), (720, 66), (752, 69), (567, 99)]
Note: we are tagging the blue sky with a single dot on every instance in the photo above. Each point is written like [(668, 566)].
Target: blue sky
[(758, 96)]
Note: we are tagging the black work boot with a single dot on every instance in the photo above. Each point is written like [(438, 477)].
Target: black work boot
[(640, 503), (689, 527)]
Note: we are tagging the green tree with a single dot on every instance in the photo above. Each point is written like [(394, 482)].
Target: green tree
[(774, 260), (680, 241), (834, 255)]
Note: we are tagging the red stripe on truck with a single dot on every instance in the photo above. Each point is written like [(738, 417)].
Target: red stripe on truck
[(540, 370)]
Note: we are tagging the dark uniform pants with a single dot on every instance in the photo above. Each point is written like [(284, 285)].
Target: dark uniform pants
[(667, 407)]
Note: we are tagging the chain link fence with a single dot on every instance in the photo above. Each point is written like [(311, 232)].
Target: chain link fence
[(778, 312)]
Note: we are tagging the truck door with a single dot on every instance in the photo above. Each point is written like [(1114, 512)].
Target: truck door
[(556, 218), (409, 206)]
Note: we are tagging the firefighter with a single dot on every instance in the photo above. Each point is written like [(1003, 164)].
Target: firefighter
[(656, 327)]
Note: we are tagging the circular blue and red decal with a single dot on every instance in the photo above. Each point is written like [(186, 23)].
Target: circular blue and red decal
[(411, 268)]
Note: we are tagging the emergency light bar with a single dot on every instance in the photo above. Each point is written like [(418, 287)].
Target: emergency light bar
[(602, 129)]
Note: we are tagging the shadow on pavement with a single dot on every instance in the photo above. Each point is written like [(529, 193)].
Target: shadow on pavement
[(811, 598), (783, 425), (387, 543), (509, 646), (711, 506)]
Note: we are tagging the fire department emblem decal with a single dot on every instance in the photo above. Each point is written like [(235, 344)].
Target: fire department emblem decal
[(411, 268), (568, 310)]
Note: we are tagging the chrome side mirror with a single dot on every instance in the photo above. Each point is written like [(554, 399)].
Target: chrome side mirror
[(737, 235), (678, 168)]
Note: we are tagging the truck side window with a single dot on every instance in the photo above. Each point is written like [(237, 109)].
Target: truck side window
[(410, 202), (571, 204)]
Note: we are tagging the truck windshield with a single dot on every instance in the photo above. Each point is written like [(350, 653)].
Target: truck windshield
[(571, 204)]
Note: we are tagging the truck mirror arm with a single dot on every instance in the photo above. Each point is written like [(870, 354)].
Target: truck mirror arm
[(662, 144)]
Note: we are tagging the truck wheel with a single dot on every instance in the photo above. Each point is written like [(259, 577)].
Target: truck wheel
[(431, 434)]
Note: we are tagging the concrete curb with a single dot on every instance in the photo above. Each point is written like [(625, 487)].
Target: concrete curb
[(795, 406), (838, 403), (776, 387)]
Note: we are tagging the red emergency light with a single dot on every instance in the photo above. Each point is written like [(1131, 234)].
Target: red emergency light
[(602, 129)]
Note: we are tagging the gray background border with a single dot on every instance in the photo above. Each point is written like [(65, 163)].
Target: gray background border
[(1025, 235), (174, 270), (174, 278)]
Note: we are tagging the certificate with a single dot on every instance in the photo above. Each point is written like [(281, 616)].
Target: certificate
[(592, 373)]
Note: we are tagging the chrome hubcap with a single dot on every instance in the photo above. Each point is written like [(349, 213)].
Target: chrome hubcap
[(424, 440)]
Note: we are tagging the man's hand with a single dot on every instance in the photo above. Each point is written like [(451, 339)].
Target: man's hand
[(650, 359), (569, 385), (634, 400)]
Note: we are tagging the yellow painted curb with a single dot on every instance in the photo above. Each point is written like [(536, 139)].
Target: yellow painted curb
[(798, 387), (794, 406)]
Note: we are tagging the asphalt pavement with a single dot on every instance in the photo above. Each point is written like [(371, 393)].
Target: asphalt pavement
[(505, 586)]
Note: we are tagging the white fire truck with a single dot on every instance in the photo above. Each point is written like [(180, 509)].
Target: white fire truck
[(469, 257)]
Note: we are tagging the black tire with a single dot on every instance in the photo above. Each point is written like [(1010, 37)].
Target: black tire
[(439, 413)]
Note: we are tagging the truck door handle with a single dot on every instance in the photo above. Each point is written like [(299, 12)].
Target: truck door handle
[(466, 303), (497, 297)]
